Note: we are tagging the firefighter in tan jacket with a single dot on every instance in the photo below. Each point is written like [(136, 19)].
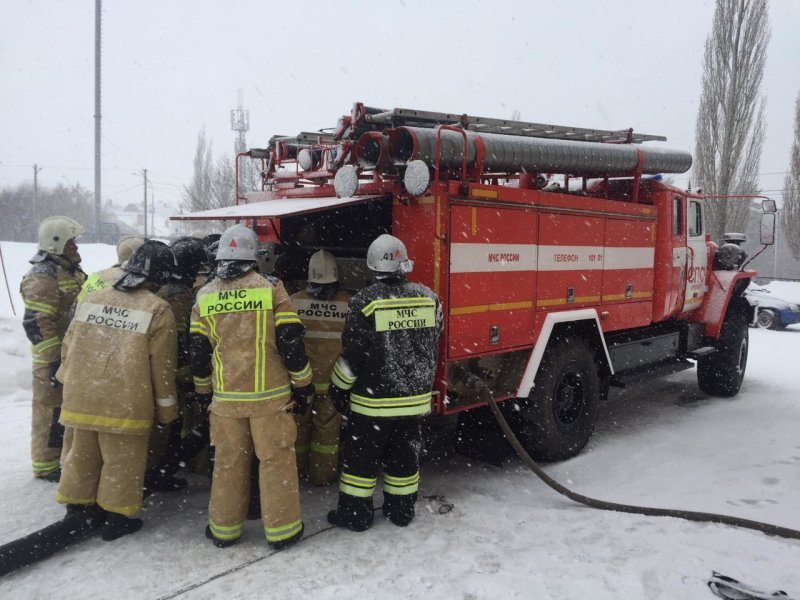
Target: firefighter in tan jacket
[(124, 336), (49, 289), (247, 347), (186, 436), (108, 277), (322, 307)]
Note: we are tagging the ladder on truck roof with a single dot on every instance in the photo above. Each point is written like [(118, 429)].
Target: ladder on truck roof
[(304, 137), (423, 118)]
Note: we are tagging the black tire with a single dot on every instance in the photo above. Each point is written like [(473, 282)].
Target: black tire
[(722, 373), (557, 419), (768, 319)]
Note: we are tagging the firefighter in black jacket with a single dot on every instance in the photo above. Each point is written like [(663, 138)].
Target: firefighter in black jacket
[(382, 382)]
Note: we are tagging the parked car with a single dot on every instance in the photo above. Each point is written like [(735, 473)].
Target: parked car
[(772, 312)]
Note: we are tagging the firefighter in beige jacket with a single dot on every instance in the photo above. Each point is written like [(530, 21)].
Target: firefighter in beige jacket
[(322, 307), (49, 290), (247, 347), (104, 278), (125, 337)]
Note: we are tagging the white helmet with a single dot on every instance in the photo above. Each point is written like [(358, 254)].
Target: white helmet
[(126, 245), (55, 232), (238, 243), (387, 255), (322, 268)]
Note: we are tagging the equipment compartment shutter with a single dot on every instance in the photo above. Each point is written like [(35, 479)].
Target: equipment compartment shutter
[(492, 278)]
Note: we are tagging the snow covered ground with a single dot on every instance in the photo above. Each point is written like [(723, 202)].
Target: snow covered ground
[(507, 536)]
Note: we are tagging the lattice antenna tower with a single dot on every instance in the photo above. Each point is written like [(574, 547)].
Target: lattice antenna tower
[(240, 123)]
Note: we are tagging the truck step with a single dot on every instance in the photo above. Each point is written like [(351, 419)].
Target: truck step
[(653, 371), (704, 351)]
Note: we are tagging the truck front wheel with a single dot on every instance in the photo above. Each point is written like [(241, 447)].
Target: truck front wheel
[(722, 373), (558, 417)]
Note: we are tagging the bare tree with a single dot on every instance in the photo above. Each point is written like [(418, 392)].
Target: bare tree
[(223, 182), (198, 194), (791, 190), (17, 224), (730, 121)]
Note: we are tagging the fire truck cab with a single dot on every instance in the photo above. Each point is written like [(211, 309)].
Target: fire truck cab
[(564, 263)]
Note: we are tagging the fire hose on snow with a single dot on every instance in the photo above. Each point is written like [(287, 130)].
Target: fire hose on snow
[(486, 395)]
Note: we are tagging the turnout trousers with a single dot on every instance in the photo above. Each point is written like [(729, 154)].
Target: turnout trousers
[(272, 439), (47, 434), (318, 440), (372, 445), (104, 468)]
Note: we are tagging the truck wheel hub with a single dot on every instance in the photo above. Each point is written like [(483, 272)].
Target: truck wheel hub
[(568, 399)]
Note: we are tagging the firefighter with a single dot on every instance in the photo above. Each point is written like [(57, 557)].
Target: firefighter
[(382, 382), (106, 277), (118, 373), (206, 272), (245, 324), (49, 289), (167, 451), (322, 308)]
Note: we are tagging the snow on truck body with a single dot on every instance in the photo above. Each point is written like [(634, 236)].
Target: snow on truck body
[(551, 293)]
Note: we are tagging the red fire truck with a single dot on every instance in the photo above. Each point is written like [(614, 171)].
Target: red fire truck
[(564, 263)]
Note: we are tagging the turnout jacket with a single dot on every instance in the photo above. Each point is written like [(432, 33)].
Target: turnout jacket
[(324, 322), (118, 363), (49, 289), (247, 345), (180, 299), (389, 349), (100, 281)]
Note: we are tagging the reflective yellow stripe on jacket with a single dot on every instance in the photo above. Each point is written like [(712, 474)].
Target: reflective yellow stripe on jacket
[(75, 418), (397, 303), (403, 406)]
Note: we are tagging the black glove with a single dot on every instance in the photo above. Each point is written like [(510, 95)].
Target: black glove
[(340, 399), (203, 401), (53, 368), (300, 396)]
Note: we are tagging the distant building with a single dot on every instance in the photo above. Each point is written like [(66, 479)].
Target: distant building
[(130, 219)]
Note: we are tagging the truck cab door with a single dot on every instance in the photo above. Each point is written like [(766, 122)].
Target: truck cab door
[(696, 255), (676, 284)]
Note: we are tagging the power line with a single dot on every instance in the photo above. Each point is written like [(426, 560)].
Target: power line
[(4, 165)]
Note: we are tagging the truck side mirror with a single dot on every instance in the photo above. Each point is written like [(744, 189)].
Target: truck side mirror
[(768, 227), (769, 206)]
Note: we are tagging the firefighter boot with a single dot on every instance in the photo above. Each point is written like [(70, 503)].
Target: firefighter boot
[(55, 476), (218, 542), (118, 525), (399, 509), (355, 514), (288, 541)]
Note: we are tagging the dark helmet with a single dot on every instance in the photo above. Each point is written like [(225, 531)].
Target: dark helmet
[(210, 239), (211, 253), (190, 254), (153, 261)]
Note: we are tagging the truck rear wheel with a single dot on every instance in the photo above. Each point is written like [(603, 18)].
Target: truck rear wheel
[(722, 373), (558, 417)]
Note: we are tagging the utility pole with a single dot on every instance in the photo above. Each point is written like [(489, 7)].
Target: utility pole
[(98, 32), (152, 208), (36, 170), (144, 172)]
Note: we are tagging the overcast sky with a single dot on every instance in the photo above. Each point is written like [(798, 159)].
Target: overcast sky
[(171, 68)]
